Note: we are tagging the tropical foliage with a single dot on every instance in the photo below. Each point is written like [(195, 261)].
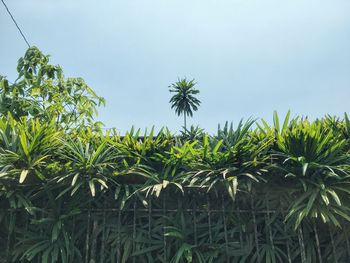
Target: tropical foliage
[(255, 193), (184, 100), (251, 193)]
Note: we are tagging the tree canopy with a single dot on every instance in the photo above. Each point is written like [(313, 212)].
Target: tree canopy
[(184, 100), (42, 91)]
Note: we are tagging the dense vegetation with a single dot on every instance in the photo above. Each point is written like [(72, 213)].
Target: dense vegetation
[(255, 193)]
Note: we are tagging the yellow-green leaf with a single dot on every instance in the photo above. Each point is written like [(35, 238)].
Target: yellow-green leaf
[(35, 91), (92, 188), (23, 176)]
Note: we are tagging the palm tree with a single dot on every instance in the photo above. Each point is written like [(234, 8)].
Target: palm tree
[(184, 100)]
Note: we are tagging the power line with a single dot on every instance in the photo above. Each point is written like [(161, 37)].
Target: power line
[(14, 21)]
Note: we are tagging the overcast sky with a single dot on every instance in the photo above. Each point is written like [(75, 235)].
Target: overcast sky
[(249, 57)]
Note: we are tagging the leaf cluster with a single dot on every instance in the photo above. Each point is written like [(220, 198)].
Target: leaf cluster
[(60, 178)]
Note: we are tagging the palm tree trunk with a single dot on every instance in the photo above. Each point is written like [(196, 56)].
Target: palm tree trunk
[(185, 120), (94, 236)]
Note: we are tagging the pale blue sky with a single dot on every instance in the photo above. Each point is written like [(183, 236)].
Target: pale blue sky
[(250, 57)]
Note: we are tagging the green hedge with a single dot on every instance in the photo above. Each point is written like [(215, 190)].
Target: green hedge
[(255, 193)]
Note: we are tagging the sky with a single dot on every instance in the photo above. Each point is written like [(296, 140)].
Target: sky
[(249, 57)]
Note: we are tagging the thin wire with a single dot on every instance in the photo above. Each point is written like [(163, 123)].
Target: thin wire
[(14, 21)]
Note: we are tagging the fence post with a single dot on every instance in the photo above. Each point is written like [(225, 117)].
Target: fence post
[(164, 237), (209, 220), (317, 242), (225, 227), (347, 239), (134, 232), (268, 225), (301, 244), (285, 230), (118, 235), (26, 230), (10, 230), (333, 245), (255, 228), (149, 217), (239, 223), (103, 245), (87, 240), (195, 222)]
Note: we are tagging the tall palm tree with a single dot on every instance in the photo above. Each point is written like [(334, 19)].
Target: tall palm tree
[(184, 100)]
